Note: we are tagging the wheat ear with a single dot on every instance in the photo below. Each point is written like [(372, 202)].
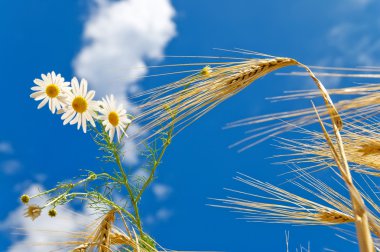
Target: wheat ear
[(193, 96)]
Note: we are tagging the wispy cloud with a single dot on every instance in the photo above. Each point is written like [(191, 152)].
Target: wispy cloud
[(355, 43), (161, 191), (10, 167), (6, 148), (161, 214), (119, 36), (44, 233), (352, 41)]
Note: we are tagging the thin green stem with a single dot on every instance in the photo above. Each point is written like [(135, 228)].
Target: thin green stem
[(137, 219), (156, 164), (113, 204)]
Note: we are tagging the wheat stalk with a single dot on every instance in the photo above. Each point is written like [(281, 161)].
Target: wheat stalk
[(358, 206)]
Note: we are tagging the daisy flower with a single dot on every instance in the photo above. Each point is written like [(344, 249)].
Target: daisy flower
[(114, 117), (80, 107), (51, 88), (33, 211)]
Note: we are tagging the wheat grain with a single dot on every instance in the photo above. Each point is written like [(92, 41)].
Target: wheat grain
[(333, 217)]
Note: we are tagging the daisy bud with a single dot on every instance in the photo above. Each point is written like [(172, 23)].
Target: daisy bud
[(52, 213), (206, 71), (25, 199)]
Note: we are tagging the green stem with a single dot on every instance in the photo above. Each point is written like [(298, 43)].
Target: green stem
[(137, 219), (113, 204), (156, 164)]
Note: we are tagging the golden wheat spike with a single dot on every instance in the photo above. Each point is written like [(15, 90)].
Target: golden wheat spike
[(281, 206), (82, 247), (186, 100), (333, 217), (106, 235), (370, 147), (100, 239), (361, 141)]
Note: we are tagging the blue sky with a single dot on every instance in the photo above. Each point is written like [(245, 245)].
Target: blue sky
[(39, 36)]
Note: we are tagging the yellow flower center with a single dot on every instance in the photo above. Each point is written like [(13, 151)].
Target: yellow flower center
[(52, 90), (79, 104), (113, 118)]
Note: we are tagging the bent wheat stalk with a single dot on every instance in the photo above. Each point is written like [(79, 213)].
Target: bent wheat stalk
[(358, 206)]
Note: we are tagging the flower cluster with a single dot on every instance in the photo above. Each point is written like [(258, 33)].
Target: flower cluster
[(33, 211), (77, 105)]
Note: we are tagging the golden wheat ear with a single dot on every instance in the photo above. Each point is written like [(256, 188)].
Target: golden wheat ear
[(276, 205), (100, 238), (190, 98), (361, 141), (106, 237)]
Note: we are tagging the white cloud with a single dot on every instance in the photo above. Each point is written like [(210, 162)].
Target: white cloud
[(162, 214), (40, 234), (119, 37), (6, 148), (352, 4), (353, 42), (161, 191), (10, 167)]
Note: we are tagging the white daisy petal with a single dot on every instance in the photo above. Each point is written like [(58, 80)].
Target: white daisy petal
[(69, 118), (90, 95), (51, 105), (79, 120), (36, 94), (40, 97), (75, 120), (112, 133), (83, 87), (84, 123), (44, 101), (36, 88), (44, 77), (118, 131), (90, 119), (75, 85), (108, 126), (38, 82), (68, 114)]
